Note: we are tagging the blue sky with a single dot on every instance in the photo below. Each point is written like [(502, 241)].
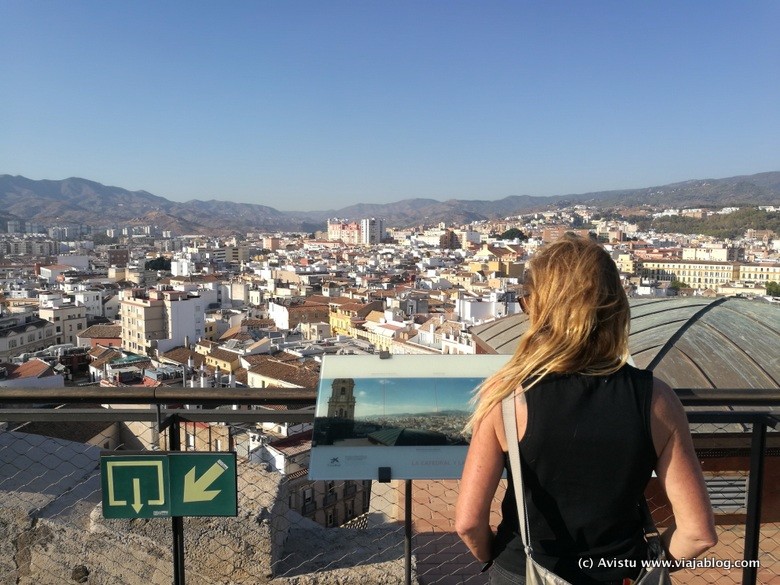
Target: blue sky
[(391, 396), (322, 104)]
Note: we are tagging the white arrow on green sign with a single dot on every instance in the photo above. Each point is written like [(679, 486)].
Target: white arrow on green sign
[(196, 490), (203, 484)]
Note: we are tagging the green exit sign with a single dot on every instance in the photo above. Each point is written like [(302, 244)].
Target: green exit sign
[(144, 485)]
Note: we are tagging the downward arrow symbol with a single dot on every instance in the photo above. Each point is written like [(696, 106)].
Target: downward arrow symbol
[(137, 505), (195, 489)]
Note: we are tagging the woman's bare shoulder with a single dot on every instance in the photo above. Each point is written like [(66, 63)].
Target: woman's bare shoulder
[(667, 414), (665, 399)]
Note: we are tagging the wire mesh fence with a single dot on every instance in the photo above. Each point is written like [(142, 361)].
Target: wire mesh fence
[(290, 529)]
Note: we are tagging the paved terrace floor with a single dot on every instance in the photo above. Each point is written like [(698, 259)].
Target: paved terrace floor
[(442, 559)]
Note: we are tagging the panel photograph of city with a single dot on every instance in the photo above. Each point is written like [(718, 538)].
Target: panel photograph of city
[(388, 412), (402, 416)]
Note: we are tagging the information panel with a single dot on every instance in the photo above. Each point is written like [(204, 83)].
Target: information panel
[(406, 413)]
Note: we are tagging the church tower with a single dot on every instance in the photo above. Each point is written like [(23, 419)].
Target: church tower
[(341, 403)]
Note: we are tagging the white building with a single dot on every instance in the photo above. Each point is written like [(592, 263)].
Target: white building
[(91, 300), (372, 231), (160, 320)]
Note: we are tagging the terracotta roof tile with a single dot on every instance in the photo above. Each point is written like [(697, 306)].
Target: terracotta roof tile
[(180, 355), (34, 368), (102, 331), (106, 358), (323, 300), (230, 333), (223, 355), (258, 323), (294, 444), (241, 376), (253, 360), (291, 373)]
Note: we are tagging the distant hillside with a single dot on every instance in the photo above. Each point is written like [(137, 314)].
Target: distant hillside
[(82, 201), (77, 200)]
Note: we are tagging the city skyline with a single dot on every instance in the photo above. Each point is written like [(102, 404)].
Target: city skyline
[(307, 106)]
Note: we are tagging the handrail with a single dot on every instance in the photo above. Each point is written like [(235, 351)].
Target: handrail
[(729, 397), (163, 405), (275, 395), (159, 395), (152, 415)]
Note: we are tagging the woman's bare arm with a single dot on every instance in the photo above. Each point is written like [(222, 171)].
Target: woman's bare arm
[(481, 474), (680, 475)]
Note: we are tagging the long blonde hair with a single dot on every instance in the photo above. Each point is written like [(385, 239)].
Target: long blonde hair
[(579, 320)]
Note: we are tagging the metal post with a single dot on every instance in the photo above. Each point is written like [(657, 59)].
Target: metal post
[(177, 522), (753, 520), (408, 535)]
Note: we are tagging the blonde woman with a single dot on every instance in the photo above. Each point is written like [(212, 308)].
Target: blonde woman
[(591, 430)]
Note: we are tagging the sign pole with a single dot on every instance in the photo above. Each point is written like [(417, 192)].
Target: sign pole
[(177, 522), (408, 533)]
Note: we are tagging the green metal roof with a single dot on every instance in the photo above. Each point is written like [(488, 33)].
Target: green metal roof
[(689, 342)]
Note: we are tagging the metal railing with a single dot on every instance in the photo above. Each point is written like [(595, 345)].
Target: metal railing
[(45, 512)]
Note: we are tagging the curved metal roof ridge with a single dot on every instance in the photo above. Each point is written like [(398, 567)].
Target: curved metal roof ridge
[(737, 347), (670, 343), (690, 342)]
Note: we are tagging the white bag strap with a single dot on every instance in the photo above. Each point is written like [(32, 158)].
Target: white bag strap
[(510, 429)]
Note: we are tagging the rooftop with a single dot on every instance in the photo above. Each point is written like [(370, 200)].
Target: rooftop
[(690, 342)]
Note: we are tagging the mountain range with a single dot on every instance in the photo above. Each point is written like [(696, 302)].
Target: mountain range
[(75, 200)]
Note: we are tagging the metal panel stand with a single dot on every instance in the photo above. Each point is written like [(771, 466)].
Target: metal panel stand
[(408, 534), (177, 522)]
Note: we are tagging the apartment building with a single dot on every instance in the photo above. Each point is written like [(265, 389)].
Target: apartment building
[(372, 231), (347, 232), (714, 252), (69, 321), (24, 333), (91, 300), (703, 275), (366, 231), (759, 273), (158, 320), (25, 246)]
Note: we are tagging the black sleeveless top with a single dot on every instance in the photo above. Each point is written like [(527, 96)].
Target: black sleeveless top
[(587, 455)]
